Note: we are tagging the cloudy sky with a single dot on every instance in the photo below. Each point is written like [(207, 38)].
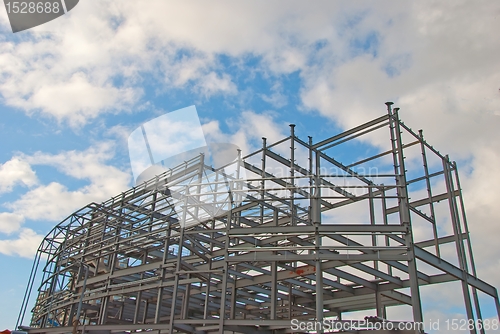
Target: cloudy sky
[(72, 90)]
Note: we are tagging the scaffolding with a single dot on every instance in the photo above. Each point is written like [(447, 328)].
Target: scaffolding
[(306, 237)]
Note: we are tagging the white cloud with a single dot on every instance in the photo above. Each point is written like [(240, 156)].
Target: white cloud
[(50, 202), (277, 99), (70, 99), (16, 171), (68, 69), (25, 245), (439, 69), (211, 84), (99, 42), (481, 202), (246, 131), (55, 201), (10, 222)]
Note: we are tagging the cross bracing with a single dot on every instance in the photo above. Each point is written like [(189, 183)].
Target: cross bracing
[(314, 231)]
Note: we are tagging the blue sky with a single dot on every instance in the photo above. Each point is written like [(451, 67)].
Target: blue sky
[(73, 89)]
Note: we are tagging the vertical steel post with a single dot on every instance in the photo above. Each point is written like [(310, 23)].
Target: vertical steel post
[(292, 174), (103, 310), (429, 193), (274, 288), (263, 176), (319, 280), (209, 279), (316, 208), (225, 273), (178, 262), (207, 295), (274, 275), (386, 222), (469, 248), (316, 197), (185, 299), (198, 187), (457, 234), (234, 291), (404, 209), (380, 308), (138, 300), (372, 222), (145, 314), (84, 286), (159, 296), (311, 176)]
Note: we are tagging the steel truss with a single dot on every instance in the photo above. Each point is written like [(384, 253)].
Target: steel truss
[(310, 238)]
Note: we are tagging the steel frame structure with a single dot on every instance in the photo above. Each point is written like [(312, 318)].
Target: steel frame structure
[(314, 239)]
